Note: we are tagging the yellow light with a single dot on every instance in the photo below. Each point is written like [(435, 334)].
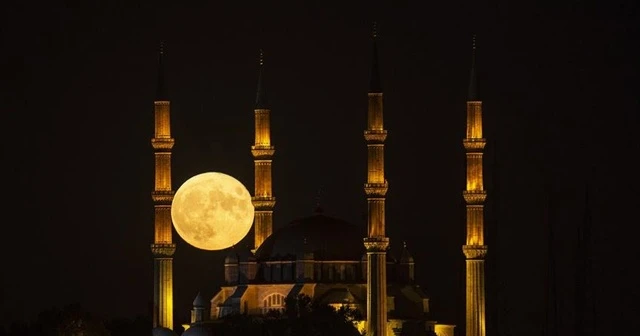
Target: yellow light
[(212, 211)]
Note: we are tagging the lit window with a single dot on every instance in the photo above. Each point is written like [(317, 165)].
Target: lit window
[(273, 301)]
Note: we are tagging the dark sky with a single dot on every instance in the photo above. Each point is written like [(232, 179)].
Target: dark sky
[(560, 89)]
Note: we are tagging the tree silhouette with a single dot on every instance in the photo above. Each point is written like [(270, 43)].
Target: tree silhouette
[(300, 317), (71, 320)]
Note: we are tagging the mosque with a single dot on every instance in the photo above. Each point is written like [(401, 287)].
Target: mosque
[(354, 268)]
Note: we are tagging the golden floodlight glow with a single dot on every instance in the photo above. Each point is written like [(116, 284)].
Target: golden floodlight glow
[(212, 211)]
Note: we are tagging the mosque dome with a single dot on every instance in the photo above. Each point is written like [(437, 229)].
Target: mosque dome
[(327, 237), (162, 331), (202, 329)]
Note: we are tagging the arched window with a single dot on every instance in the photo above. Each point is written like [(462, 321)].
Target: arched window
[(273, 301)]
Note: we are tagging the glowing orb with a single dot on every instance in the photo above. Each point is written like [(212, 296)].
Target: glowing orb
[(212, 211)]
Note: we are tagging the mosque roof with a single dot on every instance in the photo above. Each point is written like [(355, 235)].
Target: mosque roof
[(326, 237), (200, 301), (339, 295)]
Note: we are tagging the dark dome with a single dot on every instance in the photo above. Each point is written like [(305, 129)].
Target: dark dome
[(162, 331), (203, 329), (327, 237)]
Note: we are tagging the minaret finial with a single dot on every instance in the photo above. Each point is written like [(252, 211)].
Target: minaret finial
[(261, 57), (318, 195), (473, 83), (261, 94), (374, 30), (374, 81), (404, 244), (161, 89)]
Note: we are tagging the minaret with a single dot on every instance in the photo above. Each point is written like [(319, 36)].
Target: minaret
[(474, 250), (585, 319), (262, 152), (551, 290), (162, 195), (376, 243)]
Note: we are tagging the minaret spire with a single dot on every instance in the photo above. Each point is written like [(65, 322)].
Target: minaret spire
[(474, 249), (161, 89), (376, 242), (162, 195), (585, 320), (374, 82), (473, 82), (262, 151), (318, 209), (261, 94), (551, 294)]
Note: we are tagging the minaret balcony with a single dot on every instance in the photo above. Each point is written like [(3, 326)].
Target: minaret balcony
[(375, 136), (474, 196), (162, 196), (474, 251), (262, 152), (162, 144), (376, 244), (262, 203), (474, 144), (376, 189), (163, 250)]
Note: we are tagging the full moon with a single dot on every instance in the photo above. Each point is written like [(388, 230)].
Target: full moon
[(212, 211)]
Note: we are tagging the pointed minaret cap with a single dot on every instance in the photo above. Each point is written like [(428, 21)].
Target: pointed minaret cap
[(405, 257), (473, 83), (161, 90), (374, 84), (261, 94), (200, 301), (318, 208)]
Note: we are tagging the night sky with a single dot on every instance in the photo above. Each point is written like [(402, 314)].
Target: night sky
[(560, 89)]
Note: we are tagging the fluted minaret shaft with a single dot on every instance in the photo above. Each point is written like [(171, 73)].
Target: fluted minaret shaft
[(262, 151), (162, 195), (474, 195), (375, 189)]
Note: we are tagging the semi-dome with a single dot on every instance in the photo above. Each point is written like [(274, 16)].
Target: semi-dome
[(162, 331), (327, 237)]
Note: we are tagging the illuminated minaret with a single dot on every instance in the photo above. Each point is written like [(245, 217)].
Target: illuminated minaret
[(474, 250), (262, 152), (376, 243), (163, 246)]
